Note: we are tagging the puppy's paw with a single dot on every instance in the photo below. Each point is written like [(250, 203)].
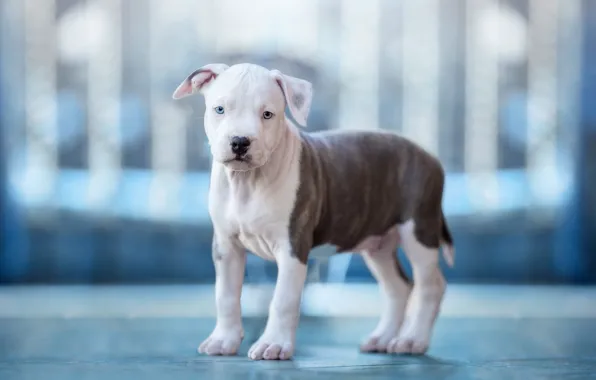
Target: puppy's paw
[(272, 346), (411, 341), (379, 339), (222, 342), (375, 344)]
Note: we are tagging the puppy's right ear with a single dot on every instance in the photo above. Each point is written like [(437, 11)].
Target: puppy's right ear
[(198, 79)]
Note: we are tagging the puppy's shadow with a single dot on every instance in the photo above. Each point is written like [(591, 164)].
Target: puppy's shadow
[(397, 366), (347, 362)]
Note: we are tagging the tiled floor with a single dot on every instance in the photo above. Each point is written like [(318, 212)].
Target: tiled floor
[(164, 347)]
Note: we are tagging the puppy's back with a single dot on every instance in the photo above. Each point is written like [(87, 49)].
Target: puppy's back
[(363, 182)]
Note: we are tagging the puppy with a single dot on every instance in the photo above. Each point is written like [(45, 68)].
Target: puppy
[(277, 192)]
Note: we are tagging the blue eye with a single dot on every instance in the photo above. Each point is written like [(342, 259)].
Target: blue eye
[(267, 115), (219, 110)]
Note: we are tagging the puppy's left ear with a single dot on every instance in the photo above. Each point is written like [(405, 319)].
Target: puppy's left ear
[(298, 95), (199, 79)]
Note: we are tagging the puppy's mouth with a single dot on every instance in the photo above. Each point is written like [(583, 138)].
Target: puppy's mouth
[(238, 158), (239, 162)]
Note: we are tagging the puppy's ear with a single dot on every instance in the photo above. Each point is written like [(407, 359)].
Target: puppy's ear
[(198, 79), (298, 95)]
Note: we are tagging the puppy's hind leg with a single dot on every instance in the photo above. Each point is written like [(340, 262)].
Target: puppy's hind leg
[(421, 245), (380, 256)]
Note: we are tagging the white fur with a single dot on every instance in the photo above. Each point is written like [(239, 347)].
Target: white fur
[(228, 333), (250, 203), (408, 314), (425, 300), (279, 338), (379, 255)]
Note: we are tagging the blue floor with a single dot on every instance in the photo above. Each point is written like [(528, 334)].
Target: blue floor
[(164, 348), (152, 333)]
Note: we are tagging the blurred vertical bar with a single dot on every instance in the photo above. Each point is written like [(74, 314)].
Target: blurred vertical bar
[(569, 84), (420, 19), (451, 79), (570, 257), (104, 90), (168, 148), (234, 16), (4, 218), (328, 61), (104, 87), (40, 100), (390, 65), (12, 88), (542, 97), (587, 146), (298, 42), (207, 31), (359, 64), (481, 120), (14, 252)]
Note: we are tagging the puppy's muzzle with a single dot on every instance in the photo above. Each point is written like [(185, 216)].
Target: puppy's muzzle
[(239, 145)]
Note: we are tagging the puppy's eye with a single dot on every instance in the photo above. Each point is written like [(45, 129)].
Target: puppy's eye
[(267, 115), (219, 110)]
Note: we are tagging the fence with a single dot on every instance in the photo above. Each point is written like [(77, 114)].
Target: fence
[(93, 138)]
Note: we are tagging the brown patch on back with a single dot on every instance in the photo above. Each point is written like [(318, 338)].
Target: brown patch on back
[(359, 184)]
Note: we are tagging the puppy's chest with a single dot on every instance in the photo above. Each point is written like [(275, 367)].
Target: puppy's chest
[(261, 223)]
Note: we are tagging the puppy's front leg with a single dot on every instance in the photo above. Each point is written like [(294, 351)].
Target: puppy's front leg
[(279, 338), (230, 262)]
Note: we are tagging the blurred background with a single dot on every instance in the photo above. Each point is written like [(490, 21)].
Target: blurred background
[(104, 177)]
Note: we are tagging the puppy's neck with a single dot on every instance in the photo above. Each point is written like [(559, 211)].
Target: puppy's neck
[(282, 160)]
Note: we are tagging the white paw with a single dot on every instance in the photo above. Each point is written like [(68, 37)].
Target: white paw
[(387, 329), (222, 342), (273, 346), (411, 340), (379, 339)]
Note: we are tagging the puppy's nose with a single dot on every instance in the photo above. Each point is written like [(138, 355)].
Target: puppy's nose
[(240, 144)]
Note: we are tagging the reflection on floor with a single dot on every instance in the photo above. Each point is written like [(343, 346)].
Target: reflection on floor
[(163, 346)]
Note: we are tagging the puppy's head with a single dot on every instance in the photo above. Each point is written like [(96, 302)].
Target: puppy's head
[(244, 115)]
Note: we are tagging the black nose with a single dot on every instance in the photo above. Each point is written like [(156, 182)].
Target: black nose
[(240, 144)]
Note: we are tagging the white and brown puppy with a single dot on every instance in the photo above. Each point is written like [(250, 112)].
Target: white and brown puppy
[(278, 192)]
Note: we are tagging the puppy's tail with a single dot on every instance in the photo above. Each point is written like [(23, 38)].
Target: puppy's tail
[(447, 243)]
